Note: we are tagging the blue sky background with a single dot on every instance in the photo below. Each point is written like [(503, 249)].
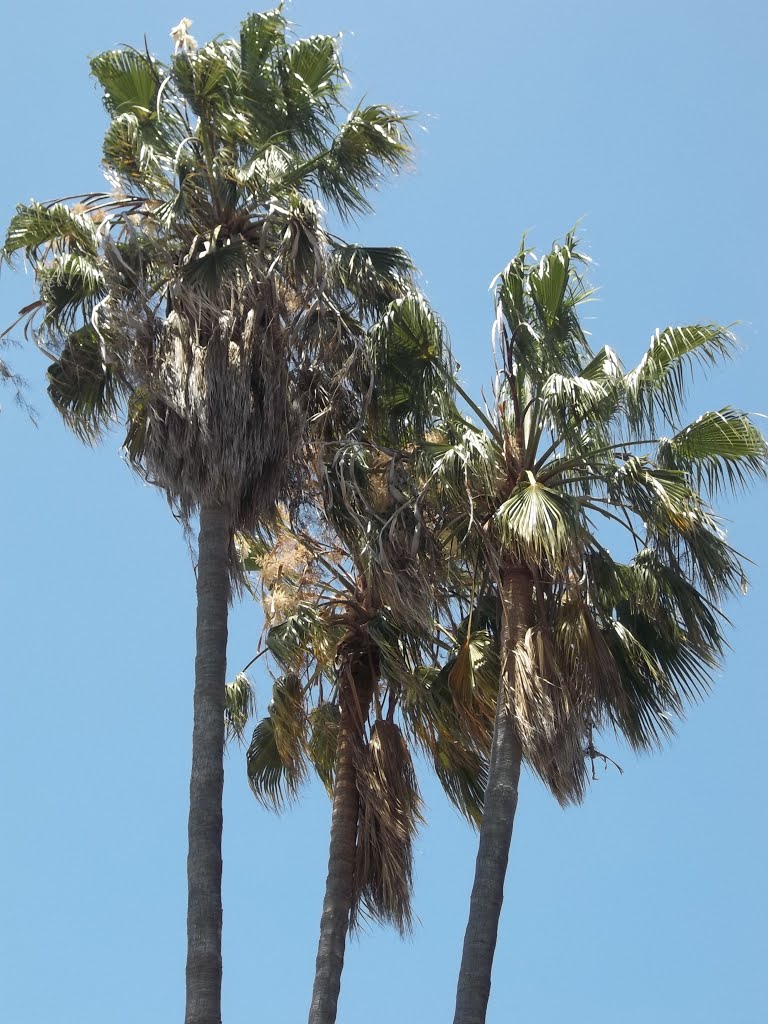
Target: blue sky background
[(647, 904)]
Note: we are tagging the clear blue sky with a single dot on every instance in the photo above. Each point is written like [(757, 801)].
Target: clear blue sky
[(647, 904)]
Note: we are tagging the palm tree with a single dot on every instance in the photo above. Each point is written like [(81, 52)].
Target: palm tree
[(352, 591), (202, 302), (589, 640)]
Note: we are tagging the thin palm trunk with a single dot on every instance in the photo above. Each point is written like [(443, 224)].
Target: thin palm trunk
[(474, 984), (356, 682), (207, 779)]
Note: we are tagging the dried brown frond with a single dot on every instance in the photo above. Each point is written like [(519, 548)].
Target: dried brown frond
[(551, 717), (390, 812), (288, 559), (435, 437), (381, 499)]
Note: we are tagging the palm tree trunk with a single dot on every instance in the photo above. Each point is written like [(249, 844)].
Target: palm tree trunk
[(207, 779), (356, 681), (474, 986)]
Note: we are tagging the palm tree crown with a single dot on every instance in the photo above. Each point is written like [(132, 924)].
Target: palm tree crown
[(202, 296), (572, 444)]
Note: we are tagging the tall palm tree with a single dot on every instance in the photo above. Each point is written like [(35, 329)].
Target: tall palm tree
[(202, 302), (352, 599), (589, 640)]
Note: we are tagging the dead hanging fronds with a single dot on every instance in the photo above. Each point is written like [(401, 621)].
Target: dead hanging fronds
[(550, 717), (389, 815), (219, 420), (473, 680), (223, 370), (370, 498)]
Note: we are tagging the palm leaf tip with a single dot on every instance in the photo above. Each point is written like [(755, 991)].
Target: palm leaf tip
[(656, 389), (722, 450)]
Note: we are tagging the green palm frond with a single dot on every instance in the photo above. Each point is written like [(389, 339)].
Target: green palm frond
[(207, 78), (323, 739), (217, 268), (722, 450), (145, 167), (374, 276), (130, 80), (645, 704), (539, 523), (373, 139), (239, 706), (656, 388), (37, 228), (71, 285), (472, 675), (410, 362), (289, 721), (291, 641), (276, 758), (577, 411), (312, 69), (537, 302), (261, 36), (654, 494), (311, 77), (698, 548), (86, 390), (452, 725), (463, 773), (467, 474), (274, 781), (605, 365)]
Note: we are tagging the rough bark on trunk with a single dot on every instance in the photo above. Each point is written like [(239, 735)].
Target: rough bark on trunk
[(357, 678), (474, 985), (207, 778)]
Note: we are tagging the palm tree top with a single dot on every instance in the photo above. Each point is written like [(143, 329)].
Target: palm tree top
[(201, 298), (577, 454)]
